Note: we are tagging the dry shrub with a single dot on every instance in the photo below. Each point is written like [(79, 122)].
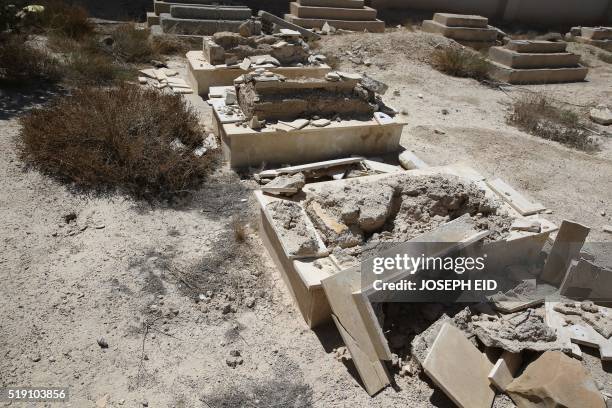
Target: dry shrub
[(92, 68), (240, 229), (169, 45), (605, 57), (460, 62), (119, 137), (21, 63), (538, 116), (132, 44), (66, 20)]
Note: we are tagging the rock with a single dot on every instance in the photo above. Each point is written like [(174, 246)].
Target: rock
[(234, 361), (333, 77), (255, 123), (158, 64), (227, 308), (230, 97), (396, 92), (602, 115), (374, 85), (142, 80), (102, 343), (320, 122), (102, 402), (36, 358), (589, 306), (248, 28), (235, 353), (326, 29), (555, 380), (250, 302), (107, 40)]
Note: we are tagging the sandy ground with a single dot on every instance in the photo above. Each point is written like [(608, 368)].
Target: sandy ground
[(118, 270)]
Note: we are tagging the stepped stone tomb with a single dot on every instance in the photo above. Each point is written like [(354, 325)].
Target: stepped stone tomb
[(530, 62), (201, 17), (469, 30), (351, 15)]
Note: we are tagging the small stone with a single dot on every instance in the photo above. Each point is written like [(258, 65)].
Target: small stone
[(235, 353), (439, 132), (396, 92), (227, 308), (445, 111), (250, 302), (158, 64), (142, 80), (420, 96), (36, 358), (102, 343), (602, 115), (320, 122), (100, 226)]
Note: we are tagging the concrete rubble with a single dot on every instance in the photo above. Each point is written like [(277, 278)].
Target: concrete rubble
[(469, 30), (602, 115), (162, 78), (531, 62)]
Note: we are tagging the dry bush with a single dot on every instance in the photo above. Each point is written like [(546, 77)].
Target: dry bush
[(118, 137), (605, 57), (538, 116), (132, 44), (21, 63), (93, 68), (460, 62), (65, 20), (240, 229), (170, 45)]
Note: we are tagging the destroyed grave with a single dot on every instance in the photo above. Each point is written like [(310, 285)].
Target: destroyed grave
[(319, 233), (227, 55), (268, 118)]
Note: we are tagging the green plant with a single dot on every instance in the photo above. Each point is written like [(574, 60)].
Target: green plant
[(124, 137), (460, 62), (538, 116)]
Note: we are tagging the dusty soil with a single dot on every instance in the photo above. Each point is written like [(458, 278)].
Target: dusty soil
[(133, 273)]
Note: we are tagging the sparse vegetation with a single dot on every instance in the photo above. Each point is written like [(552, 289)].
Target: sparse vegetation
[(539, 116), (64, 20), (21, 63), (240, 229), (460, 62), (125, 137), (132, 44), (605, 57)]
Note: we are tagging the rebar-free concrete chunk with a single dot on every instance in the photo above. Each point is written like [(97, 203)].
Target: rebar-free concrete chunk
[(555, 380), (504, 370), (461, 20), (456, 366), (569, 241)]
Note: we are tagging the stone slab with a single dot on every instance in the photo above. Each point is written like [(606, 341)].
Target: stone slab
[(203, 75), (183, 26), (537, 76), (372, 26), (519, 202), (152, 19), (411, 161), (537, 46), (523, 60), (555, 380), (505, 369), (567, 246), (586, 280), (597, 33), (456, 366), (333, 3), (460, 33), (245, 147), (333, 13), (271, 18), (461, 20), (203, 12), (604, 44)]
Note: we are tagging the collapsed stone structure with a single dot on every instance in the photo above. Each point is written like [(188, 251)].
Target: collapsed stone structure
[(268, 118), (351, 15), (469, 30), (529, 62), (201, 17), (226, 56)]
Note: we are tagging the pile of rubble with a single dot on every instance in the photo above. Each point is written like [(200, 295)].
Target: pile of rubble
[(164, 78), (522, 342), (227, 55)]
